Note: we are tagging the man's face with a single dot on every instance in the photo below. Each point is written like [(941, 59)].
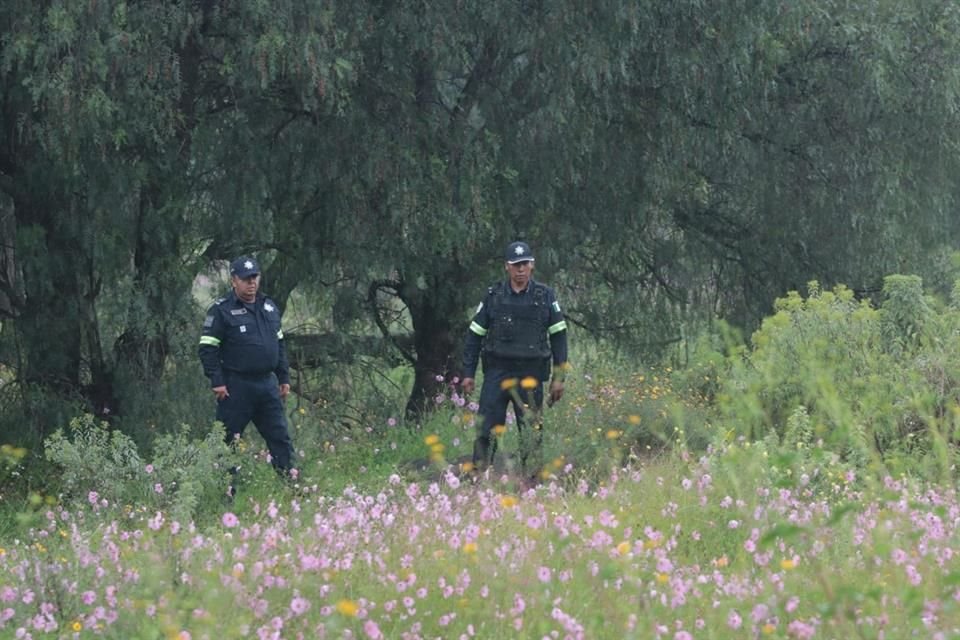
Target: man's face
[(246, 288), (519, 273)]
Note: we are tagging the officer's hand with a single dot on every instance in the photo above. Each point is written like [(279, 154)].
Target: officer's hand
[(284, 390), (468, 385), (221, 392), (556, 391)]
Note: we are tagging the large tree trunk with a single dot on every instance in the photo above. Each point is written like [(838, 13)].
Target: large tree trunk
[(435, 346), (49, 326), (9, 295)]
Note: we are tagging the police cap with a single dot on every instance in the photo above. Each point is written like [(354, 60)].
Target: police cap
[(244, 267), (518, 252)]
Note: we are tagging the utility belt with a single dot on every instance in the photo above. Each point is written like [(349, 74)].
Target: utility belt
[(248, 375), (538, 367)]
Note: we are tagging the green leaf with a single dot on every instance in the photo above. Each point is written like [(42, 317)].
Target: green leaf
[(781, 531)]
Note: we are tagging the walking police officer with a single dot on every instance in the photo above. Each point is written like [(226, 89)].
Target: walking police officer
[(241, 348), (519, 329)]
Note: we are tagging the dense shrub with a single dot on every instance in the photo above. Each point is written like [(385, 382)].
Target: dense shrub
[(103, 467), (878, 384)]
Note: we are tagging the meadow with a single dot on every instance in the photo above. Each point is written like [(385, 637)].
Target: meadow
[(673, 503)]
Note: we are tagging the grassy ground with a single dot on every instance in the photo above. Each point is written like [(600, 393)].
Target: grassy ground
[(633, 532)]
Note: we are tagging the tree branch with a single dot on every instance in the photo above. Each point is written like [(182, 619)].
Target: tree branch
[(375, 287)]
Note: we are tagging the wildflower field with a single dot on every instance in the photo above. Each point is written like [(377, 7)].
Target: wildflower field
[(725, 546), (663, 511)]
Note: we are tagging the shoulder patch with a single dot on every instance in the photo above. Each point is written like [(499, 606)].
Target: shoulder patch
[(219, 301), (556, 306), (479, 306)]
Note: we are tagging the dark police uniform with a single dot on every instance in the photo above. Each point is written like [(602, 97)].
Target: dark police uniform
[(517, 334), (241, 347)]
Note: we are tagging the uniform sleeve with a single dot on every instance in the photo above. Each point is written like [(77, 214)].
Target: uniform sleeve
[(283, 365), (474, 341), (209, 351), (557, 328)]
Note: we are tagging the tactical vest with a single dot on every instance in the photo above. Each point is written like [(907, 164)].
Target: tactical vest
[(518, 330)]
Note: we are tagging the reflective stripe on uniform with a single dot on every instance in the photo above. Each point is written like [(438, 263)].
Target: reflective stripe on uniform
[(554, 328), (210, 340), (279, 334), (477, 329)]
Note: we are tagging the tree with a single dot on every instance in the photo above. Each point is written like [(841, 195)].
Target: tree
[(668, 161)]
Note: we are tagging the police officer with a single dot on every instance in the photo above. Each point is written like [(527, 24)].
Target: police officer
[(519, 329), (241, 348)]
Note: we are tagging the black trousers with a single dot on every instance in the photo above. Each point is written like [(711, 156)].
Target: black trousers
[(527, 403), (257, 399)]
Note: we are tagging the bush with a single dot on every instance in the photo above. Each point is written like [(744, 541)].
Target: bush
[(877, 385), (103, 467)]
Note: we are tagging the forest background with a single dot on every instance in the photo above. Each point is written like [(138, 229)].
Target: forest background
[(676, 166)]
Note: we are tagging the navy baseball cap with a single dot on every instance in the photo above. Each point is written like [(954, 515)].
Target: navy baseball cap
[(518, 252), (244, 267)]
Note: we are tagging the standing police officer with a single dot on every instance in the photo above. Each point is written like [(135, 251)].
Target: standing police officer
[(518, 327), (242, 352)]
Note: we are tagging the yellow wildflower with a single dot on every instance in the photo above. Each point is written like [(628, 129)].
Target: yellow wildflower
[(76, 626), (466, 467), (500, 429), (529, 383), (623, 548), (508, 383), (787, 564), (348, 608), (432, 439), (768, 629), (470, 547), (613, 434), (721, 562), (437, 447), (662, 578), (634, 419), (508, 502)]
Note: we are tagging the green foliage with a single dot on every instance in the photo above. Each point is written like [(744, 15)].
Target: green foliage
[(94, 458), (671, 162), (877, 385), (905, 313), (102, 466)]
